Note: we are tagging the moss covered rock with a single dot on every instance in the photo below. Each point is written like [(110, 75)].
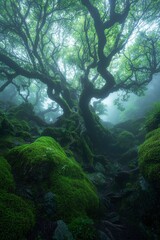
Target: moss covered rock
[(83, 228), (153, 118), (16, 217), (71, 140), (45, 164), (126, 140), (6, 178), (149, 158), (8, 141), (24, 135), (23, 111), (20, 125), (6, 127)]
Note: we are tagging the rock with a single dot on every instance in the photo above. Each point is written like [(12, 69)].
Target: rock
[(44, 167), (49, 203), (149, 159), (99, 168), (103, 236), (122, 178), (97, 178), (62, 232), (129, 156)]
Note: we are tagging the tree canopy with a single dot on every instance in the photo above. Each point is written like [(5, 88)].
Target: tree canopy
[(78, 50)]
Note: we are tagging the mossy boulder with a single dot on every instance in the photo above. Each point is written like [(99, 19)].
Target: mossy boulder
[(24, 135), (6, 178), (153, 118), (45, 164), (83, 228), (133, 126), (23, 111), (70, 140), (155, 134), (16, 217), (60, 134), (125, 140), (20, 125), (149, 158), (13, 132), (6, 127), (8, 141)]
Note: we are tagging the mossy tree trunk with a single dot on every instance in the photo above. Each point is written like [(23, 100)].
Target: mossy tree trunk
[(99, 136)]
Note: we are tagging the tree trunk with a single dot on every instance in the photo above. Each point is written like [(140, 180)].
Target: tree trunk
[(99, 135)]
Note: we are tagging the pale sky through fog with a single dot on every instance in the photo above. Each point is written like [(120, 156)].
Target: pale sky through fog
[(151, 95)]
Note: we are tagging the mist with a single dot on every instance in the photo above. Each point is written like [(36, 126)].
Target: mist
[(135, 107)]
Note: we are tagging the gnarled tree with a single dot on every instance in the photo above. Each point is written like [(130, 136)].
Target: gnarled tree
[(80, 50)]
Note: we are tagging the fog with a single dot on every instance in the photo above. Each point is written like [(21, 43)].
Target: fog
[(135, 107)]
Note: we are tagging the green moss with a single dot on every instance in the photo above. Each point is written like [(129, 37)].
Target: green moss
[(60, 134), (69, 134), (24, 135), (70, 123), (140, 211), (155, 133), (153, 118), (149, 158), (75, 197), (20, 125), (6, 178), (87, 151), (126, 140), (52, 132), (7, 142), (6, 126), (16, 217), (23, 111), (45, 163), (83, 228)]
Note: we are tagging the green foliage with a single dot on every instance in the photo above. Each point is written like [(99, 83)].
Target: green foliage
[(16, 217), (100, 108), (6, 178), (135, 63), (153, 118), (149, 158), (83, 229), (45, 164)]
